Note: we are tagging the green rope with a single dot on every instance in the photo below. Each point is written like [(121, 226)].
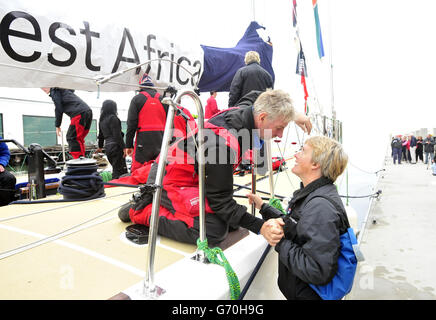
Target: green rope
[(212, 256), (106, 175), (274, 202)]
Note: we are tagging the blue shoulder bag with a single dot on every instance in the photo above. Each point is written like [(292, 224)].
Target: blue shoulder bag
[(349, 255)]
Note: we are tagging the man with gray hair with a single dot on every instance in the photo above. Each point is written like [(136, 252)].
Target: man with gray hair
[(250, 77), (228, 136)]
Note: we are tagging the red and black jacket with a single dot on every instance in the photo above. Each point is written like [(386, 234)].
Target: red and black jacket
[(146, 118), (223, 151), (219, 177)]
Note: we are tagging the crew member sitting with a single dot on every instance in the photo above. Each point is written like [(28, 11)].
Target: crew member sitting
[(228, 136), (7, 179)]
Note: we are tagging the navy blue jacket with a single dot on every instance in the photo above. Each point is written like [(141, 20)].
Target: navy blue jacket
[(67, 102), (248, 78), (310, 249), (4, 154)]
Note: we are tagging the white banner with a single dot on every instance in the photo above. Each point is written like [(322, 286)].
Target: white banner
[(42, 49)]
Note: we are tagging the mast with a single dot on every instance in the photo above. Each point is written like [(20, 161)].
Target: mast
[(332, 101)]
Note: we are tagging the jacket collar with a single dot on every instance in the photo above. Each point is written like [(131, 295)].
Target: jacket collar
[(303, 192), (241, 118)]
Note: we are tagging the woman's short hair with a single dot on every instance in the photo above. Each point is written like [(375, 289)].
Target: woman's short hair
[(251, 56), (330, 155), (276, 103)]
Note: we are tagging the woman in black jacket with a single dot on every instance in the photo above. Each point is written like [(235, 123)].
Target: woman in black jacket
[(419, 150), (111, 136), (309, 251)]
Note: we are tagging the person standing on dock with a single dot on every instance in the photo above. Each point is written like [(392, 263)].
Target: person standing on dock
[(309, 251), (66, 101), (111, 136), (419, 150), (428, 148), (405, 148), (413, 148), (396, 149), (7, 179)]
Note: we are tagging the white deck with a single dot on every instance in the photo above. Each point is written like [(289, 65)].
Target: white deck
[(93, 260)]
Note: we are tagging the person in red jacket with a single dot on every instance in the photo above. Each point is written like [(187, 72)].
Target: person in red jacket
[(228, 136), (146, 120), (211, 106)]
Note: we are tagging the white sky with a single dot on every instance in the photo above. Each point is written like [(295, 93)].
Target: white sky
[(382, 51), (384, 62)]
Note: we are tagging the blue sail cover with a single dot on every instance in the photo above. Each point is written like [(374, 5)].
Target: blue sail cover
[(221, 64)]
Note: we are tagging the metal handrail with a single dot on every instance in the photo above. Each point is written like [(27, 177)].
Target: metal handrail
[(270, 167), (150, 289), (200, 160), (101, 79), (253, 177)]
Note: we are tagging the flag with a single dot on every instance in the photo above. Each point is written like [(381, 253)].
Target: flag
[(302, 71), (294, 13), (301, 63), (306, 94), (318, 30)]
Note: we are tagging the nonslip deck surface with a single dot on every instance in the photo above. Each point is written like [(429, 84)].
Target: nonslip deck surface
[(77, 250)]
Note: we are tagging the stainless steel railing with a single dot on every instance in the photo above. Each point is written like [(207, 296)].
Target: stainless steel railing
[(150, 289)]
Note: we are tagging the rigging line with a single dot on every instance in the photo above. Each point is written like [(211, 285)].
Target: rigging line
[(286, 141), (282, 155), (286, 172), (310, 78), (297, 32), (298, 135), (257, 180), (61, 207), (284, 152), (99, 79), (93, 78), (58, 235), (374, 195), (315, 116), (331, 61), (45, 71), (240, 187), (365, 171)]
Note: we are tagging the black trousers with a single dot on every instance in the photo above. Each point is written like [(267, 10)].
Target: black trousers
[(114, 154), (7, 186), (418, 154)]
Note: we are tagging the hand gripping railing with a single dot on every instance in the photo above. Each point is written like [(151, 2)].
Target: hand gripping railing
[(150, 289)]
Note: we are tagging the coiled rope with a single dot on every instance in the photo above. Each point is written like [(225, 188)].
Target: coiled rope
[(212, 256), (82, 182), (106, 176)]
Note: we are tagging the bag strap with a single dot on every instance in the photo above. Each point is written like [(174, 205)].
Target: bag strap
[(342, 214)]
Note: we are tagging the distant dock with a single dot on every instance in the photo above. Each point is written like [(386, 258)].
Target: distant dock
[(399, 239)]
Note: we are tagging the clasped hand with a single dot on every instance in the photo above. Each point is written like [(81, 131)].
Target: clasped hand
[(272, 231)]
